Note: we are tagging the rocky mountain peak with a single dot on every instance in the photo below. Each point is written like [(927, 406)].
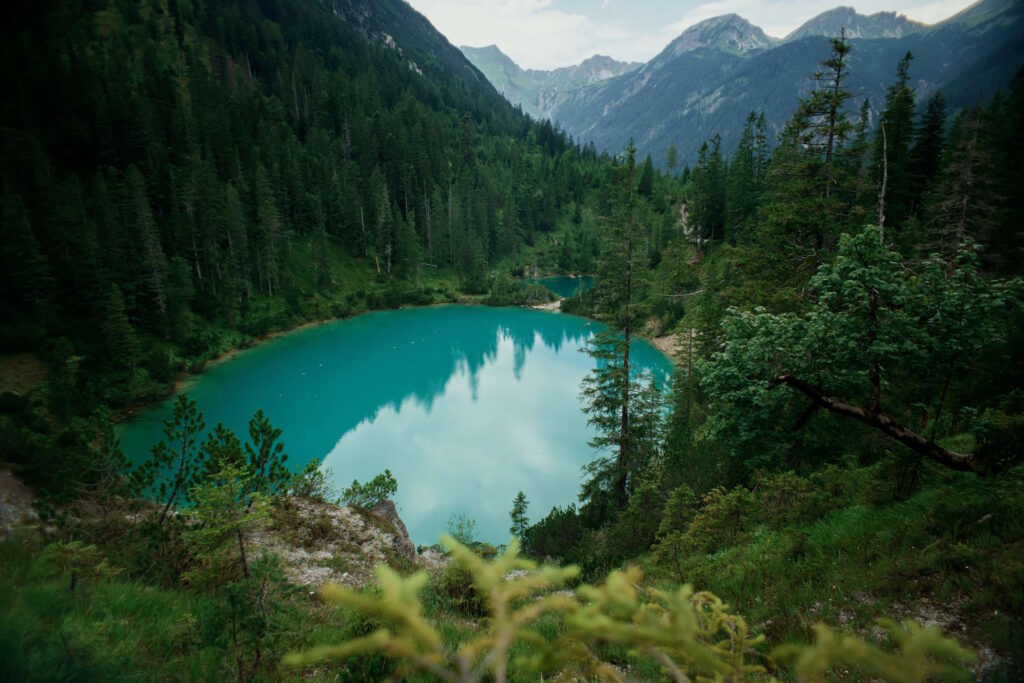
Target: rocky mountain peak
[(858, 26), (729, 32)]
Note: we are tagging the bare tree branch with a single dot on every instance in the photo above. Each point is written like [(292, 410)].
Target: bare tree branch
[(964, 462)]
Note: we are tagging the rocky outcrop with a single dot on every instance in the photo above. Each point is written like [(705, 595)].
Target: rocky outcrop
[(320, 542), (16, 511), (401, 542)]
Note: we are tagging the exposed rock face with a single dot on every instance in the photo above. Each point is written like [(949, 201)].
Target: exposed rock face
[(878, 25), (539, 91), (401, 542), (729, 32), (321, 542), (16, 499)]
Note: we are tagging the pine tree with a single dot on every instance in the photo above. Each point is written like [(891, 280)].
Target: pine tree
[(268, 233), (26, 271), (152, 264), (892, 147), (266, 456), (646, 187), (806, 187), (926, 154), (122, 343), (742, 183), (707, 200), (520, 522), (671, 158), (964, 205), (606, 391), (176, 462)]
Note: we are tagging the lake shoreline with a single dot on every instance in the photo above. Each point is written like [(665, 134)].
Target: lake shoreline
[(184, 378)]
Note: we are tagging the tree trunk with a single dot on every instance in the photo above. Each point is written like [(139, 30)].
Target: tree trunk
[(964, 462)]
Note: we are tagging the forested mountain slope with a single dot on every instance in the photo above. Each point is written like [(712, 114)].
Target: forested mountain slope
[(180, 177), (173, 160)]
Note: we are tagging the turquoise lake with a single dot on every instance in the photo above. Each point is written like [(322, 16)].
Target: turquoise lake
[(564, 285), (465, 405)]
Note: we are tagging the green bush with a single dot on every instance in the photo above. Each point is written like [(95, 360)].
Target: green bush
[(315, 483), (378, 489), (688, 635)]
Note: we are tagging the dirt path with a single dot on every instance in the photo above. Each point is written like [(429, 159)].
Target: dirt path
[(550, 306)]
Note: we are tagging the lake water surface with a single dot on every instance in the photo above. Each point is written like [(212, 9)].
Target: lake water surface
[(465, 405), (565, 285)]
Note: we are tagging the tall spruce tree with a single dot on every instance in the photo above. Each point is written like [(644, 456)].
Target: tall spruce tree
[(606, 391), (892, 147), (808, 188)]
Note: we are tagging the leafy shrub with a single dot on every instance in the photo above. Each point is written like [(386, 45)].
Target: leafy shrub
[(378, 489), (314, 482), (723, 518), (786, 498), (456, 586), (689, 635), (80, 561), (461, 527)]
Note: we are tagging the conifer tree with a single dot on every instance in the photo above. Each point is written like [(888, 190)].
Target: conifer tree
[(805, 185), (646, 187), (176, 462), (893, 148), (122, 344), (671, 158), (520, 521), (268, 233), (266, 456), (151, 267), (606, 391), (26, 271), (929, 144), (742, 182), (964, 205)]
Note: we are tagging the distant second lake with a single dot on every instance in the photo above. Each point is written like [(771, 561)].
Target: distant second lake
[(465, 405), (565, 285)]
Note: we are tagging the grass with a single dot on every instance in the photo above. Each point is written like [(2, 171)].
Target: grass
[(952, 553)]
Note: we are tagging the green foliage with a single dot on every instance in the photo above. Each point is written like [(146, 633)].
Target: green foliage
[(520, 521), (556, 534), (924, 654), (81, 561), (367, 495), (872, 324), (224, 514), (314, 482), (627, 411), (176, 461), (266, 457), (461, 527), (685, 634), (506, 292)]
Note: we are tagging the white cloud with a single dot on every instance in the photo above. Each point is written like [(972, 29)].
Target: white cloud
[(539, 34)]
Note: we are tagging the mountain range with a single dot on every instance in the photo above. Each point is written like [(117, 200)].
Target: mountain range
[(539, 91), (716, 72)]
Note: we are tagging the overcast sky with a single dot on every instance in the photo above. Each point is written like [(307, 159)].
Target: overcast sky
[(545, 34)]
